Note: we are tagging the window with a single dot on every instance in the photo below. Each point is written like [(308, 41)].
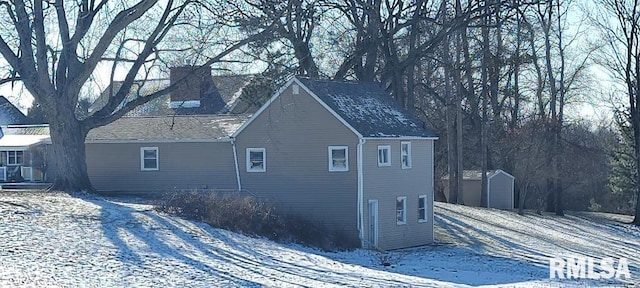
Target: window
[(14, 157), (401, 210), (422, 208), (384, 155), (405, 154), (149, 158), (338, 158), (256, 160)]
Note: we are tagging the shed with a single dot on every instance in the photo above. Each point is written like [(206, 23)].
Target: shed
[(500, 188)]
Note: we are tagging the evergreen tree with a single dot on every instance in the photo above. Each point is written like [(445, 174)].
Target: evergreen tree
[(624, 176)]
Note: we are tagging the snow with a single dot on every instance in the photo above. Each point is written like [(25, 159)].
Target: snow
[(56, 239), (230, 125), (21, 141), (233, 102), (184, 104), (366, 109)]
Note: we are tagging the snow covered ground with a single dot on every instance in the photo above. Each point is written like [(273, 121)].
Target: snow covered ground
[(53, 239)]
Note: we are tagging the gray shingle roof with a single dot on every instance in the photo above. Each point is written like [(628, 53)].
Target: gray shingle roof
[(37, 129), (179, 127), (9, 114), (217, 99), (367, 108)]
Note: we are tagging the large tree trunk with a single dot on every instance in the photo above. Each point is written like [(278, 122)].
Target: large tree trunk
[(305, 59), (522, 197), (451, 152), (68, 148)]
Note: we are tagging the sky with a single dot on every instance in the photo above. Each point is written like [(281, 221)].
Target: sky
[(595, 105)]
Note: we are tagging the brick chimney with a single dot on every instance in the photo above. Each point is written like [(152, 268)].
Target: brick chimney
[(188, 93)]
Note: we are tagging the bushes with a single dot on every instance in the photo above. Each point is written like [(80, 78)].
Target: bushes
[(251, 216)]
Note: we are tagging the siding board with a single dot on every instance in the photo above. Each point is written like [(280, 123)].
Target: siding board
[(296, 131), (387, 183), (115, 167)]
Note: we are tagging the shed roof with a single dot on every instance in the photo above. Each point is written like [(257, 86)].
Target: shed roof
[(168, 128), (477, 174), (368, 108)]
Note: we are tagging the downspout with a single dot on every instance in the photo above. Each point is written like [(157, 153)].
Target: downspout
[(432, 179), (235, 160), (361, 142)]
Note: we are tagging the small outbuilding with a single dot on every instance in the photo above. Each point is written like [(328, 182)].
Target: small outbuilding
[(500, 188)]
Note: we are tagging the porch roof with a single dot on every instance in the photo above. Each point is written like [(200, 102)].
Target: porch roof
[(21, 141)]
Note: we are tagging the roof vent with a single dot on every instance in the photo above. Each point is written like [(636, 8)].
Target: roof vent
[(295, 89)]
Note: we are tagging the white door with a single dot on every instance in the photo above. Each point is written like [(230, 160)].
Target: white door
[(373, 223)]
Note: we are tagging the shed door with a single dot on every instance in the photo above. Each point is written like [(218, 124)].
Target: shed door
[(373, 223)]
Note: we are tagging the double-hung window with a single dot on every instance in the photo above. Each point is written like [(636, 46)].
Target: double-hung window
[(149, 158), (338, 158), (422, 208), (256, 160), (14, 157), (384, 155), (405, 154), (401, 210)]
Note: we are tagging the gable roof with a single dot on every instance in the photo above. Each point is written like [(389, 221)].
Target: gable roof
[(477, 174), (367, 108), (168, 128), (9, 114)]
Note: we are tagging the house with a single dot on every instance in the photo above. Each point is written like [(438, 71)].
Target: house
[(341, 153), (23, 153), (20, 145), (10, 115), (500, 189)]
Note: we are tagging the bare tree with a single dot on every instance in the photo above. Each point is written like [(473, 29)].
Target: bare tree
[(56, 46), (622, 58), (562, 75)]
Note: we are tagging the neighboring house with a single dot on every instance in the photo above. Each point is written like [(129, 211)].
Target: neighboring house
[(22, 153), (10, 115), (201, 94), (342, 154), (500, 189), (19, 145)]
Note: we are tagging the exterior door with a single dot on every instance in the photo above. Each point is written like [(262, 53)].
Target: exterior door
[(373, 223)]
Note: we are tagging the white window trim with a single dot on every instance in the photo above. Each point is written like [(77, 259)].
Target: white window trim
[(264, 160), (388, 148), (346, 158), (15, 157), (408, 166), (404, 210), (424, 198), (142, 168)]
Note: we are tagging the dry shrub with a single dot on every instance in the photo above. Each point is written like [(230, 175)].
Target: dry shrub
[(252, 216)]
